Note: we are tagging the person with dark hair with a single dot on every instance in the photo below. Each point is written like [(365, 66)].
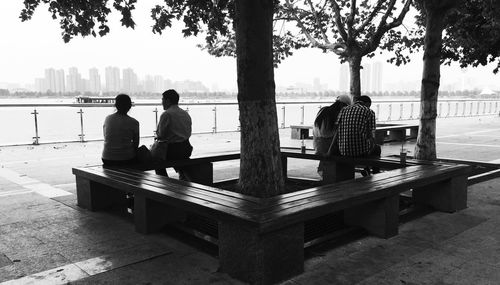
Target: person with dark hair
[(174, 128), (357, 131), (121, 135), (325, 128)]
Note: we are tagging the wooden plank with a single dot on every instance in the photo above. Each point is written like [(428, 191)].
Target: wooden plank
[(338, 200), (160, 179), (178, 199)]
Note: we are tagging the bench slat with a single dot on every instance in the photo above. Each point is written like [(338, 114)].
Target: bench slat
[(347, 196), (174, 197)]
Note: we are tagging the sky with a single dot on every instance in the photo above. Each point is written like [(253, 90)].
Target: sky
[(27, 48)]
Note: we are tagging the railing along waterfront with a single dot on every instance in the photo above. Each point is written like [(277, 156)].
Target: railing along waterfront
[(62, 122)]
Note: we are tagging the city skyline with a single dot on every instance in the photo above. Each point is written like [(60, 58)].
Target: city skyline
[(33, 46)]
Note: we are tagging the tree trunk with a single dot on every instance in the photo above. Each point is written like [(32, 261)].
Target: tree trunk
[(355, 78), (260, 166), (426, 141)]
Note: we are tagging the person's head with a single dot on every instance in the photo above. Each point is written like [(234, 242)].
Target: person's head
[(365, 100), (346, 99), (329, 115), (123, 103), (169, 98)]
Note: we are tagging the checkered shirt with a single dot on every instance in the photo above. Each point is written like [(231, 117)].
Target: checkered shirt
[(356, 123)]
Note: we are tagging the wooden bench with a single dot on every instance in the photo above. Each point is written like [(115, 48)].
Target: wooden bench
[(383, 132), (261, 239), (300, 132), (394, 132)]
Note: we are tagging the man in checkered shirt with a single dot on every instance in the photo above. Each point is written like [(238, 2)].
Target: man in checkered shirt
[(357, 130)]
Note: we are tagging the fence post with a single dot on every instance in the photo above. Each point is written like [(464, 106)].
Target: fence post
[(390, 112), (156, 120), (464, 110), (411, 111), (471, 107), (456, 110), (214, 129), (440, 106), (401, 111), (81, 135), (302, 116), (491, 108), (36, 137), (283, 122), (477, 108)]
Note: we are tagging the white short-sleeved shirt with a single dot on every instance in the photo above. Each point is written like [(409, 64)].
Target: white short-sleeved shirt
[(120, 131), (174, 125)]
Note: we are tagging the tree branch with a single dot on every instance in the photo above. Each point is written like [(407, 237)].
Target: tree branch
[(316, 20), (399, 20), (371, 16), (350, 19), (338, 20)]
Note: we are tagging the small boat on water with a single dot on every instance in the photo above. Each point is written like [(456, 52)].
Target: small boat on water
[(88, 99)]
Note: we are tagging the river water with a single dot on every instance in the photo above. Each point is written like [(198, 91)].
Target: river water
[(64, 123)]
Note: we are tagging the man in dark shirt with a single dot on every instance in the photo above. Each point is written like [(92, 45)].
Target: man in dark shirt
[(357, 131)]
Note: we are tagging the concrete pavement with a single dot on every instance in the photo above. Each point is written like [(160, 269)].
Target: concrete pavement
[(46, 239)]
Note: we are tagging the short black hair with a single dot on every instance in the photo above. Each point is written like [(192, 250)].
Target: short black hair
[(123, 103), (365, 99), (172, 95)]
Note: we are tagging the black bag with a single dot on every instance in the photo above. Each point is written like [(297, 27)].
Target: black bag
[(144, 155), (334, 147)]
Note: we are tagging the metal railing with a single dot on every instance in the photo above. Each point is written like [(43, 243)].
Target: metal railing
[(52, 121)]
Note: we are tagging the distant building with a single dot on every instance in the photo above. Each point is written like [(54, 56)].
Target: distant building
[(344, 78), (112, 75), (50, 80), (74, 80), (159, 84), (377, 75), (40, 85), (94, 80), (60, 81), (129, 81), (366, 73)]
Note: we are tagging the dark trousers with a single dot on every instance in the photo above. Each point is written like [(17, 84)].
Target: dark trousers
[(176, 151), (108, 162)]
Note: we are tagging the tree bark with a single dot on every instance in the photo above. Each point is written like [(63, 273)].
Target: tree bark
[(260, 166), (355, 78), (425, 147)]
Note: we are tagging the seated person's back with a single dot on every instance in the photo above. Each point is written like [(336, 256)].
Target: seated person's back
[(356, 129), (121, 134)]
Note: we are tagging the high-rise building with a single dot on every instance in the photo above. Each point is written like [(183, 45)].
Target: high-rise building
[(94, 80), (377, 75), (129, 80), (344, 77), (112, 75), (74, 80), (40, 85), (60, 81), (50, 80), (366, 72), (149, 83), (159, 84)]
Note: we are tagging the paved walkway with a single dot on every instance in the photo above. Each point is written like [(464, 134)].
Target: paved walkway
[(46, 239)]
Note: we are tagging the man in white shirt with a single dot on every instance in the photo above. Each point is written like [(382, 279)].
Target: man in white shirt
[(174, 127)]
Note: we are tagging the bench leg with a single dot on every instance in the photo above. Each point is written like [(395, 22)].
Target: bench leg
[(414, 133), (380, 218), (151, 216), (200, 173), (261, 258), (380, 137), (446, 196), (335, 172), (397, 135), (94, 196)]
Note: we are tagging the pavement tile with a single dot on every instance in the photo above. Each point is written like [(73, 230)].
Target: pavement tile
[(196, 268), (474, 272), (10, 272), (37, 260), (4, 260)]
